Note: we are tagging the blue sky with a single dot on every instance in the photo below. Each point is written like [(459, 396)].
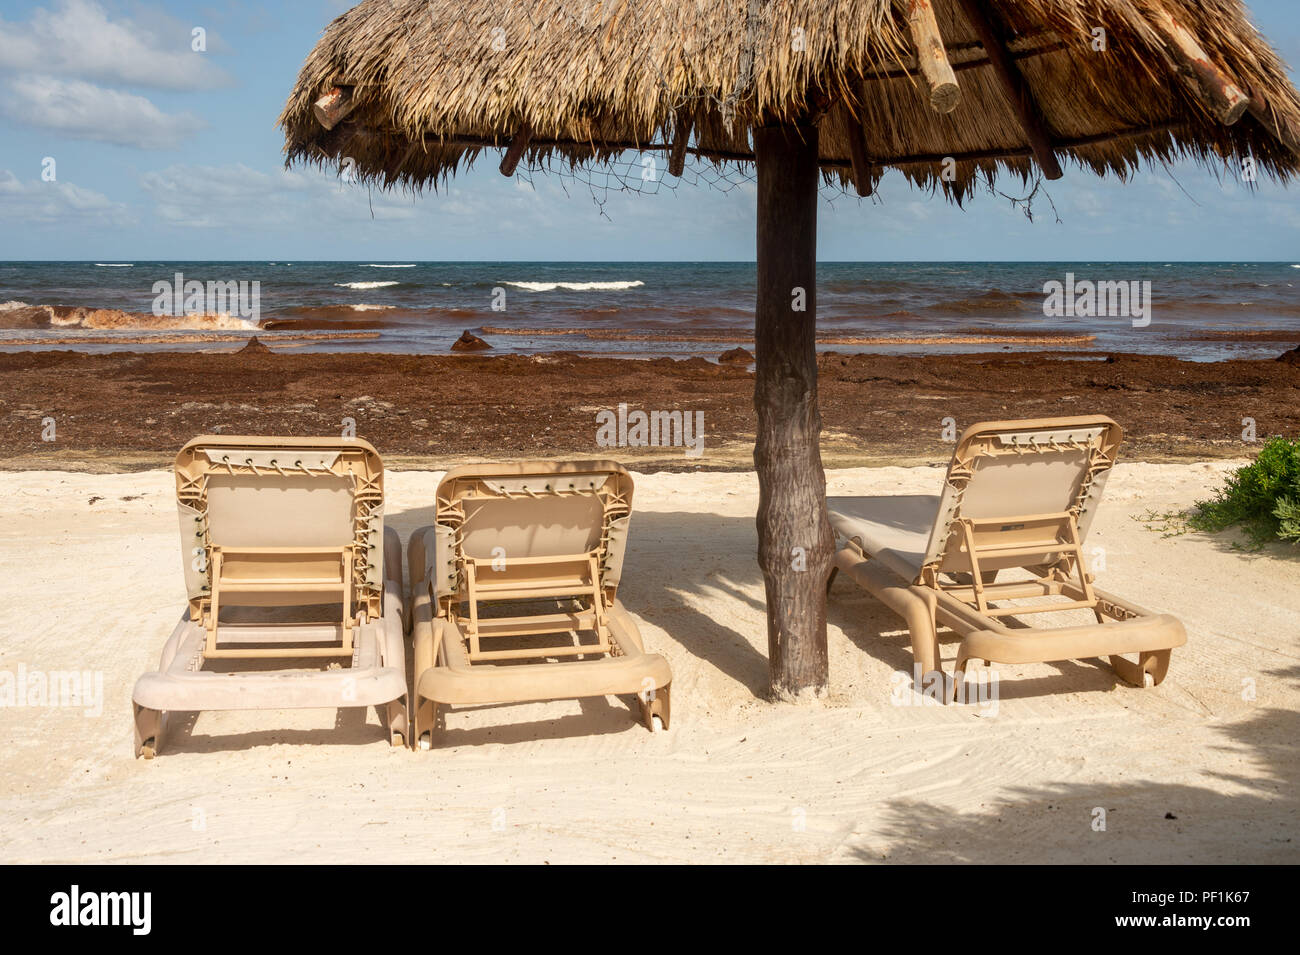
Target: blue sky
[(165, 153)]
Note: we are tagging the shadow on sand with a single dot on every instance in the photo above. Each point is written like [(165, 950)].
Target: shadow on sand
[(1146, 822)]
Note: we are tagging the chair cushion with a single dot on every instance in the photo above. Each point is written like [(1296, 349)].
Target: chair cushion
[(893, 529)]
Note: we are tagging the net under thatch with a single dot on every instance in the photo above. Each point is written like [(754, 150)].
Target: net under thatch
[(431, 83)]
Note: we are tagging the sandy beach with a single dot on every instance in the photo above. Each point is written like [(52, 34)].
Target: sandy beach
[(1199, 769)]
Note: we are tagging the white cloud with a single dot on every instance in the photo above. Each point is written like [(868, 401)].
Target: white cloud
[(59, 58), (236, 196), (85, 111), (56, 203), (78, 39)]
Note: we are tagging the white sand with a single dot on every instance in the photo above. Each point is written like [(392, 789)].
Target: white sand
[(98, 586)]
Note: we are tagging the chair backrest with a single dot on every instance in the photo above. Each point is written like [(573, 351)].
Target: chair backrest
[(241, 493), (1013, 481), (513, 517)]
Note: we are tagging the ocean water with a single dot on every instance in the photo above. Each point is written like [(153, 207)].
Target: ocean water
[(1204, 311)]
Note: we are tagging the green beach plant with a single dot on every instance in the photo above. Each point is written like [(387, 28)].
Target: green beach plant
[(1262, 498)]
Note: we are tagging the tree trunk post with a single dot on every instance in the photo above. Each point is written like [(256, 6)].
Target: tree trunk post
[(795, 542)]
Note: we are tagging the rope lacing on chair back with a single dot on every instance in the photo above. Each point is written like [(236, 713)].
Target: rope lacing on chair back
[(452, 515), (366, 499)]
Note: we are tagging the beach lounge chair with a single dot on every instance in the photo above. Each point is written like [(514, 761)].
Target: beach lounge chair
[(294, 583), (1018, 501), (542, 543)]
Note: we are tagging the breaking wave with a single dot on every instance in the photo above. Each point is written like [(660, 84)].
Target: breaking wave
[(576, 286), (19, 315)]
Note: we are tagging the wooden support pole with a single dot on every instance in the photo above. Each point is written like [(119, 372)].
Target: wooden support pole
[(795, 541), (515, 151), (1223, 97), (980, 15), (681, 139), (932, 56), (865, 174), (331, 108)]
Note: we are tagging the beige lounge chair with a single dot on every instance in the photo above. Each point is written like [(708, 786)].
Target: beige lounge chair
[(294, 583), (1019, 499), (508, 538)]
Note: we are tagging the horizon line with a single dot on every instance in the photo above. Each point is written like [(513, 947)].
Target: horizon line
[(295, 260)]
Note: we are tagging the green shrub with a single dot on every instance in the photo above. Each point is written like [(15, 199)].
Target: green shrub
[(1263, 498)]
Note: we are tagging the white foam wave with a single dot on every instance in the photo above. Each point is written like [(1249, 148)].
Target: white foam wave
[(364, 285), (115, 265), (374, 265), (576, 286), (13, 306)]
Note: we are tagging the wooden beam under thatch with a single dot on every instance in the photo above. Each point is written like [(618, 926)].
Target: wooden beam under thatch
[(875, 165), (1019, 152), (1280, 129), (681, 139), (334, 106), (1019, 96), (515, 151), (865, 173), (1223, 97), (972, 56), (932, 56)]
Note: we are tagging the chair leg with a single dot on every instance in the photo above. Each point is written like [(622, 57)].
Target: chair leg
[(959, 674), (426, 722), (830, 578), (148, 730), (657, 708), (396, 718), (925, 647), (1157, 664), (1154, 662)]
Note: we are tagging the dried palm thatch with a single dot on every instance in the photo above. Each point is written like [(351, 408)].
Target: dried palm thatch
[(421, 87)]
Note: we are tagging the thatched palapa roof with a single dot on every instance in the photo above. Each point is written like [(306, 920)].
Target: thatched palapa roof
[(414, 89)]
